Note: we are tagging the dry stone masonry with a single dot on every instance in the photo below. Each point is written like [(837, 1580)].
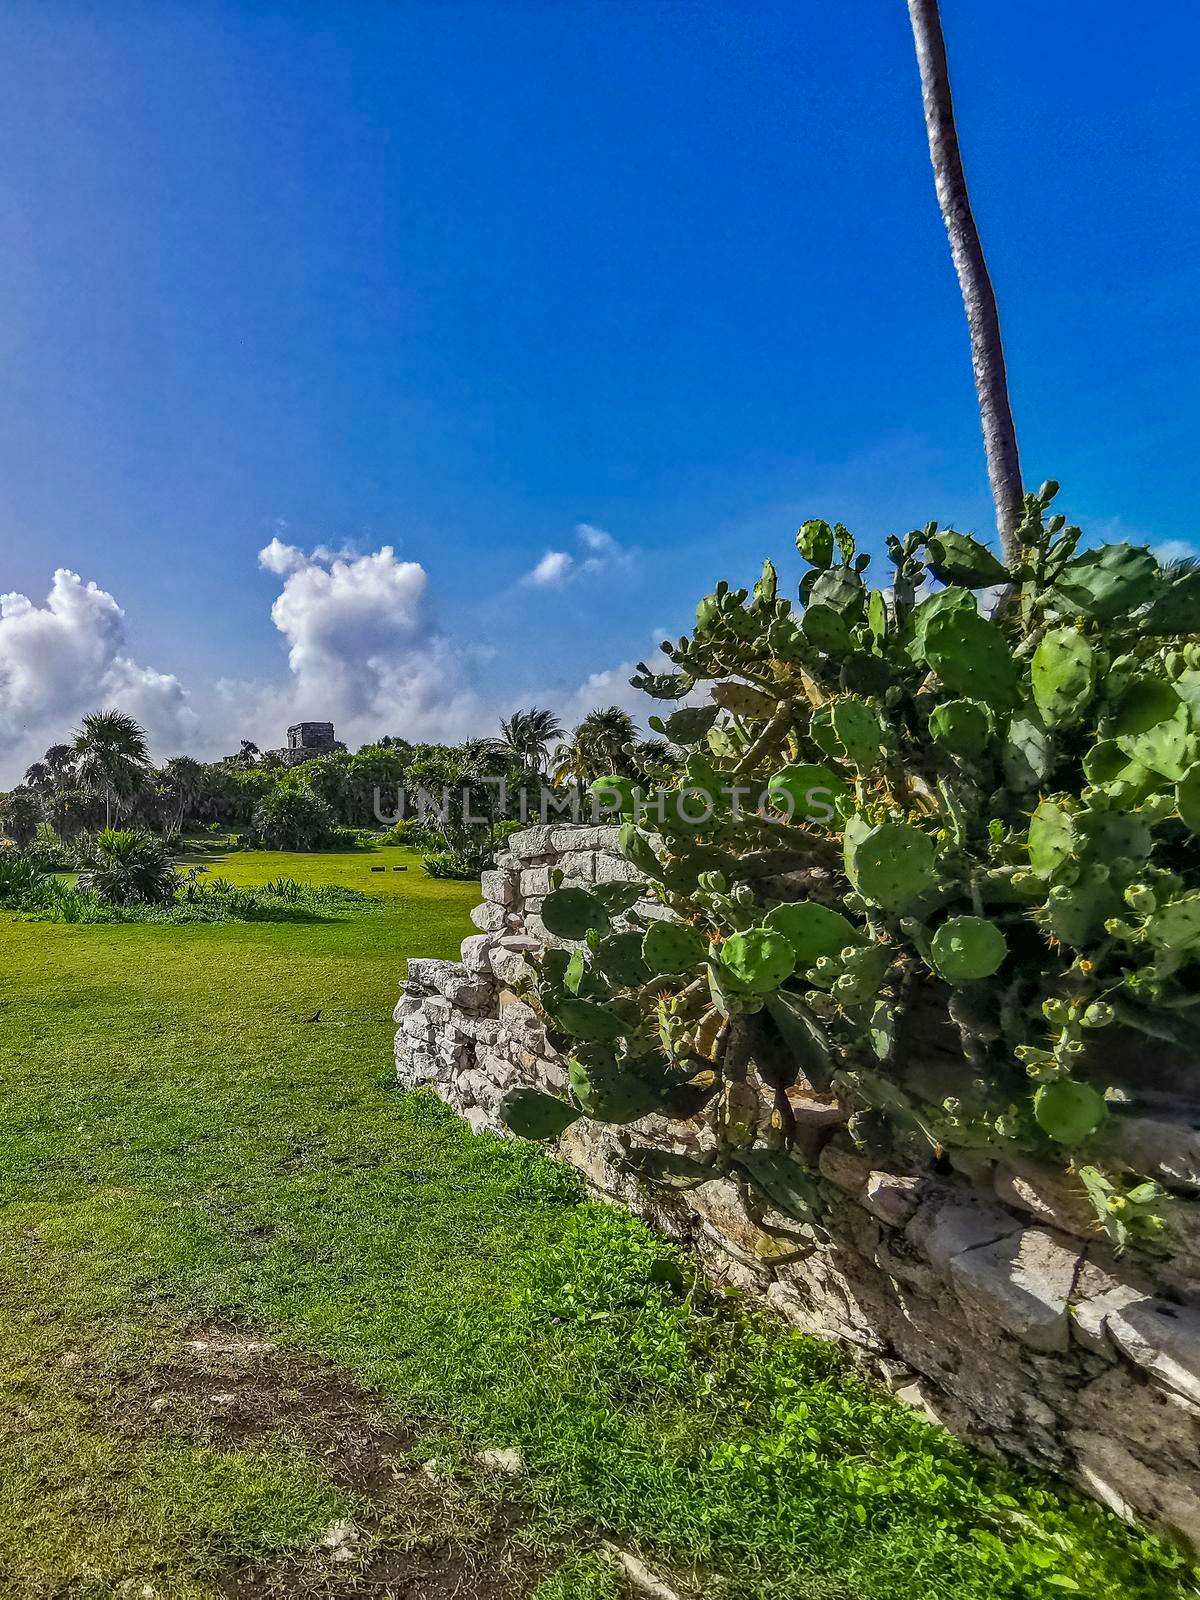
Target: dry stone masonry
[(981, 1296)]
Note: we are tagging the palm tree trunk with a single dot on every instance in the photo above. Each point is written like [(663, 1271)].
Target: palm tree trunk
[(983, 320)]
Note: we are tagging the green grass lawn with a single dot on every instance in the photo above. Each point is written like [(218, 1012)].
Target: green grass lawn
[(259, 1312)]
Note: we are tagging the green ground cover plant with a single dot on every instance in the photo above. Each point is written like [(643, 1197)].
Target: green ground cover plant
[(200, 1145)]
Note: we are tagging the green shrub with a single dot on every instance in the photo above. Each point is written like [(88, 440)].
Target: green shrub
[(127, 867), (452, 864), (25, 884), (973, 831), (292, 817)]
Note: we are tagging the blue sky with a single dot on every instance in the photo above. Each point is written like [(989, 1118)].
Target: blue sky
[(460, 278)]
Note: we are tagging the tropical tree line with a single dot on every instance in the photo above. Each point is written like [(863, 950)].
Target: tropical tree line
[(103, 777)]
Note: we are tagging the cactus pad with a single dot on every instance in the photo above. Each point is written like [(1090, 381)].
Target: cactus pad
[(761, 959), (619, 957), (1115, 578), (1051, 837), (1063, 676), (968, 948), (586, 1020), (1069, 1111), (963, 727), (947, 602), (1028, 753), (616, 794), (813, 930), (569, 913), (672, 947), (815, 543), (1187, 797), (842, 590), (743, 699), (1176, 926), (610, 1091), (806, 792), (957, 558), (826, 629), (972, 657), (637, 849), (690, 723), (891, 864), (530, 1114), (859, 731)]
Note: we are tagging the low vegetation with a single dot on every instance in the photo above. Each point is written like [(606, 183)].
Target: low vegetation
[(227, 1244)]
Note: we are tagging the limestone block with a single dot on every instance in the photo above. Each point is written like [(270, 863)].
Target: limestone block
[(845, 1169), (1048, 1194), (414, 1066), (498, 887), (947, 1224), (1023, 1283), (476, 954), (468, 993), (535, 883), (1135, 1488), (542, 1072), (719, 1205), (1095, 1294), (480, 1030), (584, 838), (488, 918), (509, 966), (423, 974), (408, 1005), (579, 867), (529, 842), (1162, 1148), (480, 1120), (1162, 1339), (522, 1022), (418, 1026), (726, 1268), (615, 869), (817, 1118), (892, 1197)]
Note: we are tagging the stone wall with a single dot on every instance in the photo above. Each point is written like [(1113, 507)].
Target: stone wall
[(982, 1296)]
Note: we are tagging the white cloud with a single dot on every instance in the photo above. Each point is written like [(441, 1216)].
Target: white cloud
[(363, 652), (552, 571), (281, 558), (1176, 550), (67, 657), (558, 567)]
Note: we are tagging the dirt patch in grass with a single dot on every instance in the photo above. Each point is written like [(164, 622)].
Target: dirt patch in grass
[(234, 1388), (423, 1533)]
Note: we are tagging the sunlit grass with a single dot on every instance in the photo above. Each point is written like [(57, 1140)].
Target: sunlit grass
[(179, 1147)]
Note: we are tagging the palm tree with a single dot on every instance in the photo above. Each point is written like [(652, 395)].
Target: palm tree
[(113, 761), (527, 734), (182, 780), (979, 298), (599, 745), (54, 769), (20, 813)]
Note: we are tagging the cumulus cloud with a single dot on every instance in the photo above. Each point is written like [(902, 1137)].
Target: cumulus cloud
[(67, 657), (601, 554), (552, 571), (281, 558), (363, 651)]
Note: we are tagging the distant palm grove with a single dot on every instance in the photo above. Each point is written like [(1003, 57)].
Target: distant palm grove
[(103, 778)]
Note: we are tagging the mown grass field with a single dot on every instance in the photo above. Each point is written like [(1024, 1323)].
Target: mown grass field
[(259, 1313)]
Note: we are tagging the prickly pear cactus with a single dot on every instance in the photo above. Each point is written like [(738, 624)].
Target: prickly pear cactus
[(902, 797)]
